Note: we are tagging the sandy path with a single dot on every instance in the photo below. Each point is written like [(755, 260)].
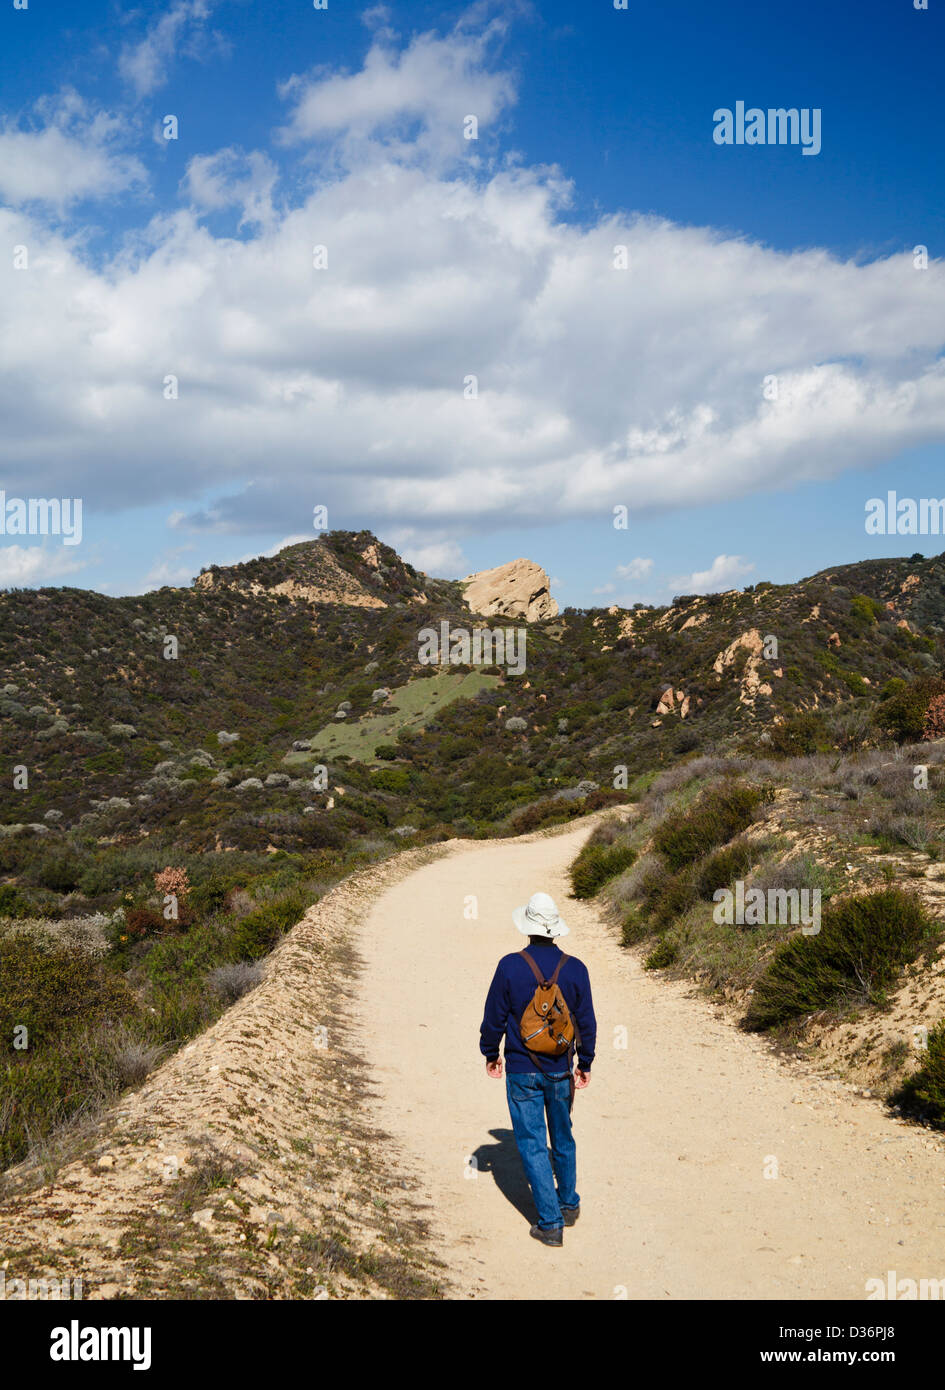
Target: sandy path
[(674, 1132)]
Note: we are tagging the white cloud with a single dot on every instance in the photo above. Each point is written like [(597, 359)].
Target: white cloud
[(30, 565), (428, 89), (442, 558), (175, 567), (345, 387), (723, 573), (69, 152), (181, 29), (637, 568), (231, 178), (274, 549)]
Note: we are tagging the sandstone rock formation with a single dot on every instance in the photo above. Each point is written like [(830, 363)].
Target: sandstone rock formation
[(673, 702), (519, 589), (752, 685), (328, 582)]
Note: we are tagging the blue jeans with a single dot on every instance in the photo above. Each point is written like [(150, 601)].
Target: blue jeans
[(532, 1096)]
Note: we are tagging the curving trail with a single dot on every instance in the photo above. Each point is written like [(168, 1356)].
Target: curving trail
[(674, 1133)]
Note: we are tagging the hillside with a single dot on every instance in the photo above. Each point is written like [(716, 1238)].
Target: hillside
[(193, 768), (267, 653)]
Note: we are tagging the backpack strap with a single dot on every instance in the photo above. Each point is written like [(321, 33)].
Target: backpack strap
[(537, 973), (554, 978)]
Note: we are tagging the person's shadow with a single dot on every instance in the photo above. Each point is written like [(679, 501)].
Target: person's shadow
[(503, 1162)]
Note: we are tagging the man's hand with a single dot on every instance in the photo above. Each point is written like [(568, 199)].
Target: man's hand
[(494, 1069), (581, 1079)]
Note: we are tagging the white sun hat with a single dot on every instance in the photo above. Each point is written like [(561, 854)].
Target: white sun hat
[(539, 917)]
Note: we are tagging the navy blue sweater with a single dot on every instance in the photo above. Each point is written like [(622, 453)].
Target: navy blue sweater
[(512, 987)]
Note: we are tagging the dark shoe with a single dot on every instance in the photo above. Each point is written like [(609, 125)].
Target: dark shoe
[(552, 1237), (570, 1215)]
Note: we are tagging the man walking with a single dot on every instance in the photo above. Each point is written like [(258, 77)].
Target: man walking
[(540, 1086)]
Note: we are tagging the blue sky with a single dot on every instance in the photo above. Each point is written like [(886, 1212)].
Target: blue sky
[(449, 259)]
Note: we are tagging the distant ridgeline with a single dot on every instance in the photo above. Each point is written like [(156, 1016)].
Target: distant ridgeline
[(164, 710)]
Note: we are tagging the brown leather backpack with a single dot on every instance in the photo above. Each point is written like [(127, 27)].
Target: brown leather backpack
[(546, 1024)]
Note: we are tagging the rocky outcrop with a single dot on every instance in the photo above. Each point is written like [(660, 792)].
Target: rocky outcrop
[(322, 579), (673, 702), (519, 589), (752, 643)]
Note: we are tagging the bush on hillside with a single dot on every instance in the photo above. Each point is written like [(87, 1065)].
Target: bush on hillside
[(75, 1074), (902, 712), (52, 990), (597, 863), (922, 1095), (722, 868), (259, 931), (863, 943), (798, 736), (720, 813), (866, 610)]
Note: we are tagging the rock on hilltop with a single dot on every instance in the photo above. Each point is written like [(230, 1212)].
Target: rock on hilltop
[(352, 569), (519, 589)]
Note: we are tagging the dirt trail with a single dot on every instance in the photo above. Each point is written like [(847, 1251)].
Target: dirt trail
[(675, 1133)]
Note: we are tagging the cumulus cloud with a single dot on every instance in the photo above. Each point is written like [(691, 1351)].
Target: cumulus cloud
[(172, 569), (441, 557), (723, 573), (638, 568), (65, 152), (233, 178), (468, 356), (35, 564), (413, 101), (274, 549)]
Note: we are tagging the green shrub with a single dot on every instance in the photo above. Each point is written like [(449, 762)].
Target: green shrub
[(210, 896), (722, 868), (53, 990), (666, 894), (865, 609), (13, 903), (597, 863), (392, 779), (259, 931), (720, 813), (922, 1095), (799, 735), (903, 712), (862, 945), (664, 953), (60, 872), (633, 928), (74, 1075)]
